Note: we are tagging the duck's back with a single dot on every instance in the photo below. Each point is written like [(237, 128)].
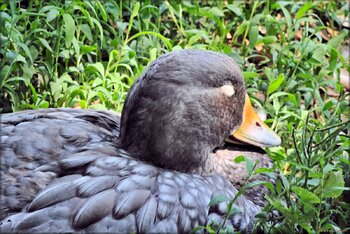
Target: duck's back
[(62, 171)]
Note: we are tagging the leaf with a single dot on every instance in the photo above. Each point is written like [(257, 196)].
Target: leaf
[(284, 181), (234, 209), (293, 99), (102, 11), (254, 183), (99, 67), (45, 44), (319, 54), (26, 50), (152, 54), (239, 159), (85, 49), (241, 29), (274, 85), (235, 9), (249, 74), (249, 166), (253, 35), (333, 184), (69, 27), (328, 105), (97, 23), (302, 10), (333, 59), (51, 15), (337, 40), (218, 199), (135, 10), (160, 36), (216, 12), (307, 227), (305, 195), (269, 39), (56, 89), (87, 31), (287, 15)]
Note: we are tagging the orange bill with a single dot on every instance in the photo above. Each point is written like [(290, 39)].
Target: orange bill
[(253, 130)]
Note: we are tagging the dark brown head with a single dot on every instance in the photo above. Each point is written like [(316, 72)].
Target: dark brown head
[(183, 107)]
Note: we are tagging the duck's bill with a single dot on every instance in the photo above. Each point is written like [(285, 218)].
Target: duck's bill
[(253, 130)]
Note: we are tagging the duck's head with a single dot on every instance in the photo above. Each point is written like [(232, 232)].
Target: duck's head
[(184, 106)]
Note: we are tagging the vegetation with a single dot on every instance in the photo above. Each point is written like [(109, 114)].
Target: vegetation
[(86, 54)]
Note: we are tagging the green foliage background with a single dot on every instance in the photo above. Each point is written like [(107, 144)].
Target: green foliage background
[(86, 54)]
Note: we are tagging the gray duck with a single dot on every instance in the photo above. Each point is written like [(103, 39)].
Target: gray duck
[(154, 169)]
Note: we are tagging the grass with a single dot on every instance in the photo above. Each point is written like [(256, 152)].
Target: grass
[(86, 54)]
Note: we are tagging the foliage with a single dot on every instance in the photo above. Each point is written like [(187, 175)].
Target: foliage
[(86, 54)]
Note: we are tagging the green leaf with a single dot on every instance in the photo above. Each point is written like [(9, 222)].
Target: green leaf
[(284, 181), (153, 54), (85, 49), (328, 105), (52, 14), (249, 166), (99, 67), (87, 31), (253, 36), (235, 9), (274, 85), (160, 36), (307, 227), (249, 74), (216, 12), (269, 39), (286, 14), (97, 23), (45, 44), (241, 29), (333, 184), (302, 10), (135, 10), (333, 59), (56, 89), (26, 50), (305, 195), (234, 209), (293, 99), (337, 40), (239, 159), (254, 183), (319, 54), (70, 28), (218, 199), (44, 104), (102, 11)]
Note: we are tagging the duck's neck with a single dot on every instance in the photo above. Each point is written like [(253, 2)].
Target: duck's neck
[(222, 162)]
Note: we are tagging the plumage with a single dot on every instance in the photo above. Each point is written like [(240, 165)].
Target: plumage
[(68, 170)]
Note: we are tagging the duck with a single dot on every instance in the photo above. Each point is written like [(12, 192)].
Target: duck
[(154, 169)]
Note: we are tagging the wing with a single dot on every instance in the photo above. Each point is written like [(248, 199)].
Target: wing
[(32, 142), (116, 193)]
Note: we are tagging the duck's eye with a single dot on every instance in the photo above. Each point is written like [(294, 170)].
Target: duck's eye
[(227, 89), (257, 124)]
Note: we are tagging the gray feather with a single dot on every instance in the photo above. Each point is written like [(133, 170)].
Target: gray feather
[(94, 209), (129, 202)]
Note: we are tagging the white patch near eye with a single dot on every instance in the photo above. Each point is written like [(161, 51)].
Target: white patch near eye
[(228, 90)]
